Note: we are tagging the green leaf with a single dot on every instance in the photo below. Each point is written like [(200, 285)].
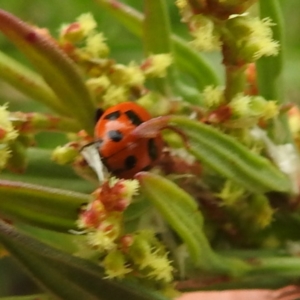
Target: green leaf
[(58, 70), (41, 206), (270, 68), (29, 83), (186, 58), (65, 276), (41, 170), (60, 240), (230, 158), (31, 297), (156, 27), (181, 212), (36, 122), (157, 20), (191, 62)]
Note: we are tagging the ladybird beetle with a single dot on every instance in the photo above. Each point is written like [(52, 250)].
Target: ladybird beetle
[(121, 152)]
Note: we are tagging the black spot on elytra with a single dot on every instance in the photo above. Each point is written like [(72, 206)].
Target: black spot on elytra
[(130, 162), (133, 117), (152, 150), (113, 116), (115, 135)]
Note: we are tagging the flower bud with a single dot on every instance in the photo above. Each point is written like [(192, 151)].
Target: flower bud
[(63, 155), (115, 265)]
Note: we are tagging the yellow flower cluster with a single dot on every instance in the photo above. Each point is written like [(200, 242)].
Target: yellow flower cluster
[(253, 107), (108, 82), (139, 252), (252, 37), (213, 97), (205, 33)]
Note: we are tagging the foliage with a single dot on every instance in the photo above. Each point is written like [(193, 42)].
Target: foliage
[(220, 208)]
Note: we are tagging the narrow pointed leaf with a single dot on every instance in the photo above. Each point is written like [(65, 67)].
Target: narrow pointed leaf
[(37, 205), (35, 122), (31, 297), (156, 27), (180, 210), (58, 70), (29, 83), (186, 58), (65, 276), (42, 171), (230, 158), (157, 20), (191, 62)]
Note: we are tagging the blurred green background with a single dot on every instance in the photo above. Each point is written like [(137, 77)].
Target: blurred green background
[(124, 47)]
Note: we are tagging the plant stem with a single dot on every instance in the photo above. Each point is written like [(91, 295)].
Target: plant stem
[(235, 81), (34, 122)]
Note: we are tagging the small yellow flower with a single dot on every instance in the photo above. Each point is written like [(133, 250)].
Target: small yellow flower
[(156, 65), (87, 22), (7, 135), (7, 132), (181, 4), (161, 268), (184, 9), (63, 155), (213, 97), (262, 35), (263, 108), (96, 46), (149, 255), (240, 105), (253, 107), (253, 37), (206, 37), (103, 240), (115, 95), (77, 31), (115, 265), (130, 75), (131, 188), (98, 85)]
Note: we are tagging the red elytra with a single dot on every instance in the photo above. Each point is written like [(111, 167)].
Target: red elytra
[(123, 153)]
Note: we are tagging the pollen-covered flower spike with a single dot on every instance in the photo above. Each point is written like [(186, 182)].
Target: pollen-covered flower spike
[(78, 30), (122, 253), (66, 154), (115, 265), (156, 65), (255, 107), (102, 218), (249, 39), (81, 40), (205, 33), (149, 254)]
